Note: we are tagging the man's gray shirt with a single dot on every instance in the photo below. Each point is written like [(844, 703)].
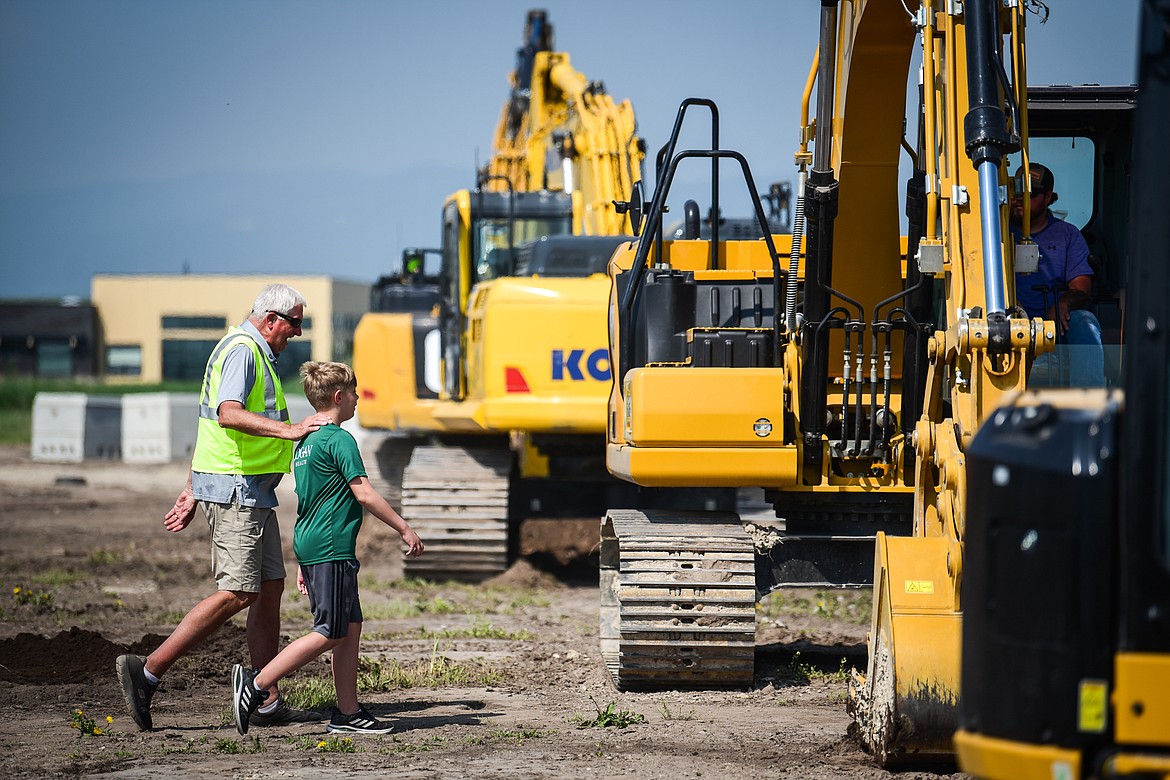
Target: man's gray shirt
[(236, 379)]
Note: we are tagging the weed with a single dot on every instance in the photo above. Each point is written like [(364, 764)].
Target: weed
[(847, 604), (395, 609), (104, 557), (398, 746), (336, 745), (85, 725), (838, 697), (477, 630), (27, 596), (517, 737), (668, 715), (56, 578), (309, 693), (227, 746), (188, 747), (438, 671), (170, 617), (806, 672), (123, 754), (295, 614), (608, 717)]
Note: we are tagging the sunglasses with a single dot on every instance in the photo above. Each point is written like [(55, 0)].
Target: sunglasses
[(294, 321)]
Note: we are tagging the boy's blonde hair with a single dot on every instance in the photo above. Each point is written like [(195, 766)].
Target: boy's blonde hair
[(322, 379)]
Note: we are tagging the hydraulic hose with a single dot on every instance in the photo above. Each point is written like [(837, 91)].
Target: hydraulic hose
[(794, 257)]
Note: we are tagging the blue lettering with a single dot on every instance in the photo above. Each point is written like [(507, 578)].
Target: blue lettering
[(594, 365), (572, 365), (569, 362)]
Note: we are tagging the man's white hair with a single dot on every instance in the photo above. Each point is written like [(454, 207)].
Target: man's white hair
[(276, 297)]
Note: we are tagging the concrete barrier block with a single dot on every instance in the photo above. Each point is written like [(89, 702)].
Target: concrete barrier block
[(72, 427), (159, 427)]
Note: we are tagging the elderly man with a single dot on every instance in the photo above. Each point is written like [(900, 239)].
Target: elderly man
[(243, 448)]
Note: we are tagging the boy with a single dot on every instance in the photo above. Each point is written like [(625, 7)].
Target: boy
[(332, 490)]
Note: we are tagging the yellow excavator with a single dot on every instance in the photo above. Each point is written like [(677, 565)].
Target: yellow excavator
[(1066, 627), (493, 404), (846, 379)]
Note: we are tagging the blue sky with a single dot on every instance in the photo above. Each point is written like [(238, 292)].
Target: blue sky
[(306, 136)]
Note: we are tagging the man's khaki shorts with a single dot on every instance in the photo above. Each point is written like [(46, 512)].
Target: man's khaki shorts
[(245, 546)]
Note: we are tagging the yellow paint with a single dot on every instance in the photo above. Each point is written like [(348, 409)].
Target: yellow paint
[(703, 466), (1141, 699), (989, 758), (698, 407)]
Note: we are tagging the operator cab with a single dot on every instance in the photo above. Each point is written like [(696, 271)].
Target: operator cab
[(566, 256), (414, 289), (1083, 134)]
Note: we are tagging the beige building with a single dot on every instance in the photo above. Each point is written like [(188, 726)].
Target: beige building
[(162, 327)]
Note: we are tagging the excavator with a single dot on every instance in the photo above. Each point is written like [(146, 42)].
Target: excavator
[(846, 380), (493, 404), (1066, 628)]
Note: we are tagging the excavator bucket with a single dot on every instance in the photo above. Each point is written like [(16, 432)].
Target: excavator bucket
[(906, 705)]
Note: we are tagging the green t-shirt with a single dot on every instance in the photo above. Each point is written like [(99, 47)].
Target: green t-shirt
[(328, 515)]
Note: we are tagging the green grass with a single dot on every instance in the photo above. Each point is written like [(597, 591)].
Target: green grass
[(478, 630), (852, 605), (56, 578), (16, 426), (309, 693), (806, 672), (18, 392), (436, 672), (317, 692)]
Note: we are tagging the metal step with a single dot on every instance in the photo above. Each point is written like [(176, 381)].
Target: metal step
[(456, 499), (678, 600)]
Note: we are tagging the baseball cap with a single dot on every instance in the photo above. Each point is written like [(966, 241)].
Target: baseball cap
[(1042, 180)]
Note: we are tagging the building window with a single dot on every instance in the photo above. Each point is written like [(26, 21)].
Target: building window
[(186, 359), (176, 321), (124, 360), (54, 357)]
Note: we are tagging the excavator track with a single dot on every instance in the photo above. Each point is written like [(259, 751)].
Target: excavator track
[(456, 500), (678, 600)]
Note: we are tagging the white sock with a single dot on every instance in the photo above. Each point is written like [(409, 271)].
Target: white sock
[(150, 678), (269, 708)]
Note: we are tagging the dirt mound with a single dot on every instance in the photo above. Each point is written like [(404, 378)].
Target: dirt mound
[(81, 656), (523, 574), (73, 656)]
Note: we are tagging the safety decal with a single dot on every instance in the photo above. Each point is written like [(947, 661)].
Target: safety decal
[(762, 427), (1091, 709)]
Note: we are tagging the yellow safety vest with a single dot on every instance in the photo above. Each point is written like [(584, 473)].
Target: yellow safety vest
[(221, 450)]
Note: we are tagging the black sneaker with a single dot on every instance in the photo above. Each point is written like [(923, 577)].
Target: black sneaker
[(285, 715), (136, 689), (361, 722), (245, 698)]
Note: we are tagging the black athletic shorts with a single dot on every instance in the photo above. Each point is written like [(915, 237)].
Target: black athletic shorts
[(333, 596)]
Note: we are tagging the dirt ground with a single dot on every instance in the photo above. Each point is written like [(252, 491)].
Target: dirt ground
[(88, 572)]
